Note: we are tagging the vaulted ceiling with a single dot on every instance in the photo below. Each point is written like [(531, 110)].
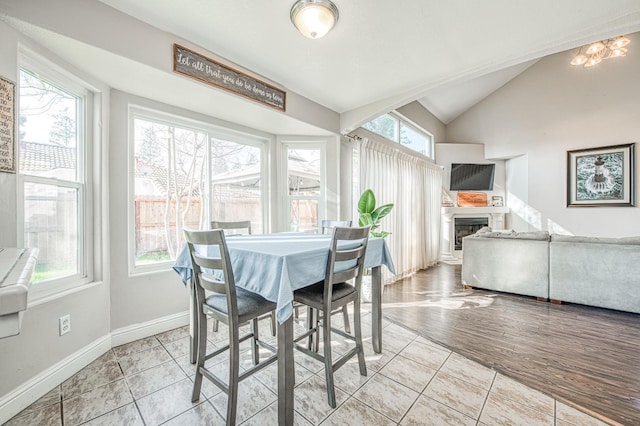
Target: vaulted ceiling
[(388, 53), (383, 54)]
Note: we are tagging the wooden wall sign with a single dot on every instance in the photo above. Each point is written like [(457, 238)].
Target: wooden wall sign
[(192, 64), (472, 199), (7, 126)]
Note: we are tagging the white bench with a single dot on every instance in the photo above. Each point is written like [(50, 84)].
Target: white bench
[(16, 269)]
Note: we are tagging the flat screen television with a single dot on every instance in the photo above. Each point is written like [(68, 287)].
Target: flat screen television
[(472, 177)]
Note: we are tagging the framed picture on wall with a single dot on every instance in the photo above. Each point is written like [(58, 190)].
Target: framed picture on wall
[(7, 126), (601, 177)]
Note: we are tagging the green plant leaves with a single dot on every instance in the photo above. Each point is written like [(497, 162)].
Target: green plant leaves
[(365, 219), (381, 212), (367, 202), (381, 234), (370, 215)]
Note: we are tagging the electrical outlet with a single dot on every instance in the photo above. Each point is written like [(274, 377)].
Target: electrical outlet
[(65, 324)]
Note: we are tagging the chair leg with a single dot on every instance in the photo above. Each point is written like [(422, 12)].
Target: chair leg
[(215, 325), (310, 326), (234, 372), (273, 323), (328, 362), (202, 351), (316, 335), (255, 350), (357, 324), (345, 316)]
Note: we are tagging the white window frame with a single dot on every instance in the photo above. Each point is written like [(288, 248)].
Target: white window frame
[(284, 178), (404, 121), (58, 76), (212, 131)]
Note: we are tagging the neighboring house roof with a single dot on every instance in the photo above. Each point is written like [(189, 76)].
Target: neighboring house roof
[(39, 157), (36, 156), (159, 176)]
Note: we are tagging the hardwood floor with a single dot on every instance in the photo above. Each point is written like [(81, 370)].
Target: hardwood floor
[(583, 356)]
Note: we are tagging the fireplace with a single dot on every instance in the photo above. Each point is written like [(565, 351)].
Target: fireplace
[(464, 226), (455, 225)]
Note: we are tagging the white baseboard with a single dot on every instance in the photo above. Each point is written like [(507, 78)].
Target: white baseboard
[(33, 389), (36, 387), (134, 332)]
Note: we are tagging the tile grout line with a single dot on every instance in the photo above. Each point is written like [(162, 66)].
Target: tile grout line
[(421, 393), (486, 399), (373, 408)]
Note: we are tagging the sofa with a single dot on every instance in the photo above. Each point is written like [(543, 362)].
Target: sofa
[(511, 262), (601, 272)]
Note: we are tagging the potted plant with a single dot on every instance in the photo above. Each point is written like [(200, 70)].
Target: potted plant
[(370, 215)]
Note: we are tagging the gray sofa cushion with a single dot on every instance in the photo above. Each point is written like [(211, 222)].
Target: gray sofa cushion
[(630, 241)]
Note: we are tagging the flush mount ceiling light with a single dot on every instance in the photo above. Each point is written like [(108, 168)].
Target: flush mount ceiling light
[(600, 50), (314, 18)]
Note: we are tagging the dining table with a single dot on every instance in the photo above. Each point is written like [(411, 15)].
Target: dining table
[(274, 266)]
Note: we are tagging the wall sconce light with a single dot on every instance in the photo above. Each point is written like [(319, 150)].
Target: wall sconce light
[(600, 50), (314, 18)]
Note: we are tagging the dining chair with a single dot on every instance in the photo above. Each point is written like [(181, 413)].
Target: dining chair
[(237, 226), (233, 225), (348, 246), (229, 304), (327, 225)]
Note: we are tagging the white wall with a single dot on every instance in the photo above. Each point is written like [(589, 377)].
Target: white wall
[(38, 346), (136, 58), (521, 216), (549, 109)]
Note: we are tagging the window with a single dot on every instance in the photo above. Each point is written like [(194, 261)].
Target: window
[(186, 174), (236, 183), (305, 179), (398, 129), (53, 174), (169, 182), (385, 125)]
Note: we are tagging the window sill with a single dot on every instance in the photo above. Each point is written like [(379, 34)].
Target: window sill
[(44, 293)]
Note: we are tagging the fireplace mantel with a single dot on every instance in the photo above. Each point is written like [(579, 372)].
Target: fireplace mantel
[(474, 210), (495, 215)]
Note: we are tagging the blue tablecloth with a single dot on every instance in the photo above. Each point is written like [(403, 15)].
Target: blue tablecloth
[(274, 265)]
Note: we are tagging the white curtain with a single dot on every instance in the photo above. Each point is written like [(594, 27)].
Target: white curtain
[(414, 185)]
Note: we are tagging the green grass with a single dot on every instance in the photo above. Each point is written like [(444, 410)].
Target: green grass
[(155, 257), (41, 274)]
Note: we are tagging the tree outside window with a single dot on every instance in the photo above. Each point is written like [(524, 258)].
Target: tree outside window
[(185, 177)]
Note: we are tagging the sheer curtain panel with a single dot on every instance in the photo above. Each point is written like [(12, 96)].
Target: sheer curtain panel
[(414, 185)]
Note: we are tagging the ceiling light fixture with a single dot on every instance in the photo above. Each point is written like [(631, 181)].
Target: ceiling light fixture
[(314, 18), (600, 50)]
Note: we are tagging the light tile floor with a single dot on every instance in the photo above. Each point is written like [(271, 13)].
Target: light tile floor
[(412, 382)]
